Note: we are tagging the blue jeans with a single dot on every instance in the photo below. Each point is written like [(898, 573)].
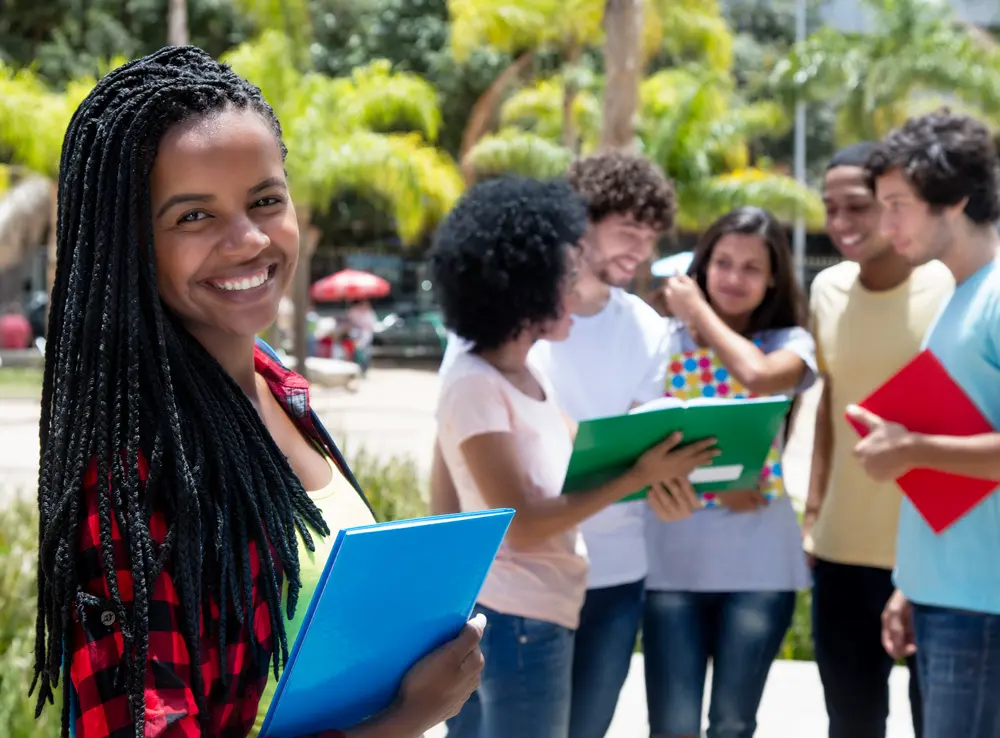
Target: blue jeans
[(958, 655), (605, 640), (740, 631), (526, 682)]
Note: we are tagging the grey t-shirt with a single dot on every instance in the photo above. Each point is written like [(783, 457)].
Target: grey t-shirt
[(717, 550)]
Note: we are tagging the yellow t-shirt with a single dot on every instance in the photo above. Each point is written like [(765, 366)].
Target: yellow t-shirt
[(862, 339), (342, 507)]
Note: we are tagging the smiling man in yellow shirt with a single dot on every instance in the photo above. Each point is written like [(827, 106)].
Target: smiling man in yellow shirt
[(869, 315)]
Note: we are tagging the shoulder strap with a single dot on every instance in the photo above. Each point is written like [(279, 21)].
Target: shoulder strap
[(331, 446)]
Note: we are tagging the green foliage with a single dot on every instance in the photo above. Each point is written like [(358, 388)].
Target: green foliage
[(695, 126), (394, 487), (917, 47), (69, 38), (18, 589), (332, 125), (291, 17), (692, 123), (689, 30), (34, 117), (538, 108), (516, 152), (765, 34), (798, 645)]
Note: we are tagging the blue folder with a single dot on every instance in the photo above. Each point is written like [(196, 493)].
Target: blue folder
[(390, 594)]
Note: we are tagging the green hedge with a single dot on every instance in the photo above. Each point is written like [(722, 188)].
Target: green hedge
[(18, 552), (798, 645)]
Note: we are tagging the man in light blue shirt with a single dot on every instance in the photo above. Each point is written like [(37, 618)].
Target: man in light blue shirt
[(937, 180)]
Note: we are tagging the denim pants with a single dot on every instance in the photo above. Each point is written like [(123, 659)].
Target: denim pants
[(958, 655), (605, 641), (740, 631), (847, 635), (526, 682)]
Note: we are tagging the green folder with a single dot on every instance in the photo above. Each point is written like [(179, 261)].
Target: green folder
[(606, 448)]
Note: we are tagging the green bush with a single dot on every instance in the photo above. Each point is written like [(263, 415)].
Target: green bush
[(392, 487), (798, 645), (18, 551)]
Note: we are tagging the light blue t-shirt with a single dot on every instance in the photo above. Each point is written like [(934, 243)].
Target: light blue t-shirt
[(960, 568), (718, 550)]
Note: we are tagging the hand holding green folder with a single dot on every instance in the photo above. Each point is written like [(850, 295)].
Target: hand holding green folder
[(606, 448)]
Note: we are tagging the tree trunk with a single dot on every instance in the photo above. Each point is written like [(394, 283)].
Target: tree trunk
[(570, 136), (308, 239), (483, 112), (622, 64), (177, 23)]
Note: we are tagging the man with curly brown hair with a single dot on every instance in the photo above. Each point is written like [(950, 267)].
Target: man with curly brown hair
[(938, 180), (610, 363)]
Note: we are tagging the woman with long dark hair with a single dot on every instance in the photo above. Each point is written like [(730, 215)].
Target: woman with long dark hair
[(722, 582), (188, 495)]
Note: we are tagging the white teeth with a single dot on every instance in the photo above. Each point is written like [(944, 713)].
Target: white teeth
[(247, 283)]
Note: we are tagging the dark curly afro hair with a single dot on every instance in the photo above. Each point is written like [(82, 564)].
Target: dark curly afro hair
[(623, 183), (945, 158), (499, 258)]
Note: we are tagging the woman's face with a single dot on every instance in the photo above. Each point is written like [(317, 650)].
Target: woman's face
[(558, 329), (739, 274), (224, 228)]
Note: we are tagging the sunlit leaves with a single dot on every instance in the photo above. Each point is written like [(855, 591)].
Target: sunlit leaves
[(371, 133), (917, 48), (34, 117), (518, 152), (539, 108)]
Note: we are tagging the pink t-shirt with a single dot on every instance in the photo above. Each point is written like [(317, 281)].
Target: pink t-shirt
[(548, 580)]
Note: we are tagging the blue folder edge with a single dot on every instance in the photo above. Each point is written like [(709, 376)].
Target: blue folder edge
[(328, 568)]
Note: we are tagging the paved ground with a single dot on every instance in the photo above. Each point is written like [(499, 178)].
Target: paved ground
[(393, 415)]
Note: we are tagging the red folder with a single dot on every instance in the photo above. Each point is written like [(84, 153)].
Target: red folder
[(924, 398)]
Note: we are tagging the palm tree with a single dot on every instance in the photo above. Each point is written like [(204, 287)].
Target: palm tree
[(33, 121), (341, 137), (634, 31), (523, 28), (691, 123), (177, 23), (694, 125), (918, 54)]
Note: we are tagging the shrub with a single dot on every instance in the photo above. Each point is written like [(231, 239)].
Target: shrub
[(18, 551), (798, 645), (393, 487)]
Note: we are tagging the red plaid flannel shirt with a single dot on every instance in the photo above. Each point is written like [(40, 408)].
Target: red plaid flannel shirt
[(97, 645)]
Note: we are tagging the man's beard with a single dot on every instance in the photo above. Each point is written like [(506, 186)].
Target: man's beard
[(601, 269)]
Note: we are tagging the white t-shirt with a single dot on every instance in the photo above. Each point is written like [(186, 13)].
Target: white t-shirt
[(546, 581), (610, 362)]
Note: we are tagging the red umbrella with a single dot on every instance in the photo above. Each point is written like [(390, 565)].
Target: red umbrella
[(349, 285)]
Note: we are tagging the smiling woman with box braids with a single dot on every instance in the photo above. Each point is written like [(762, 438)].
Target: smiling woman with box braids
[(176, 534), (124, 380)]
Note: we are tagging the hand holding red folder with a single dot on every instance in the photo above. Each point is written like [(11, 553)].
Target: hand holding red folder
[(923, 398)]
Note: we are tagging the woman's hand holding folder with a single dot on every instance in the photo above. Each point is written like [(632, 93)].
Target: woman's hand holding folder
[(665, 469), (434, 690)]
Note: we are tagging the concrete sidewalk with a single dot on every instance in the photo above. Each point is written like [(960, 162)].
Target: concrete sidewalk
[(792, 706)]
